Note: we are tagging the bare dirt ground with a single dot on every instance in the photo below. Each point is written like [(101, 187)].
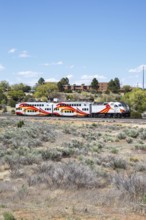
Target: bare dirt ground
[(27, 200)]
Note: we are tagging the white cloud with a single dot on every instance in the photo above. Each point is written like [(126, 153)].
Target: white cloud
[(12, 50), (59, 63), (51, 80), (71, 66), (1, 67), (69, 76), (53, 63), (24, 54), (28, 74), (86, 79), (45, 64), (138, 69), (90, 77)]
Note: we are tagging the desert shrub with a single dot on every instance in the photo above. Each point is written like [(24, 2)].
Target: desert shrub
[(134, 185), (12, 111), (20, 124), (141, 167), (5, 123), (22, 192), (66, 175), (5, 109), (114, 150), (118, 163), (6, 186), (90, 162), (94, 124), (17, 173), (95, 149), (70, 130), (15, 160), (51, 155), (68, 152), (135, 114), (100, 145), (129, 140), (134, 133), (30, 135), (143, 135), (90, 137), (8, 216), (140, 147), (121, 136), (73, 144), (134, 159)]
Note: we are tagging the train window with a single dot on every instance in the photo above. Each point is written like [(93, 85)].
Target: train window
[(115, 106), (85, 109), (68, 111)]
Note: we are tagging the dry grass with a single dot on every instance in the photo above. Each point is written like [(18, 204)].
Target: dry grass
[(77, 170)]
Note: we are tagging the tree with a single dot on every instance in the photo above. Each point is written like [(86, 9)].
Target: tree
[(41, 81), (4, 85), (126, 88), (60, 86), (61, 83), (64, 81), (45, 89), (114, 85), (95, 84), (21, 86), (16, 95), (3, 97), (136, 99)]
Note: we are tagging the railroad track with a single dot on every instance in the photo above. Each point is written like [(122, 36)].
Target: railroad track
[(110, 120)]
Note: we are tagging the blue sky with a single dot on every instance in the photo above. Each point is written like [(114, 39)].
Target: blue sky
[(78, 39)]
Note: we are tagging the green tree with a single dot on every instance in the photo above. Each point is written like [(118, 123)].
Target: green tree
[(114, 85), (95, 84), (60, 86), (136, 99), (4, 86), (3, 97), (45, 89), (41, 81), (126, 88), (21, 86), (64, 81), (61, 83), (16, 95), (11, 103)]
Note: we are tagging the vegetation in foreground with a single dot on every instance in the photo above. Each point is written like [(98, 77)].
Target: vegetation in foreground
[(70, 170)]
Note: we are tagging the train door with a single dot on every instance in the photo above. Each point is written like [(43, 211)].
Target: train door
[(90, 109), (116, 109)]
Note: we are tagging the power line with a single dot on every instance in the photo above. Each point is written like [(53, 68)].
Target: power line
[(143, 77)]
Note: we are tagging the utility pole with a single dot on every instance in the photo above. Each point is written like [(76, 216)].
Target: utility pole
[(143, 77)]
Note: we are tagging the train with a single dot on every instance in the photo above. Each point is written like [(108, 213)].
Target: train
[(74, 109)]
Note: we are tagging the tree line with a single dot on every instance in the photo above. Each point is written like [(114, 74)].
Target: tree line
[(11, 94)]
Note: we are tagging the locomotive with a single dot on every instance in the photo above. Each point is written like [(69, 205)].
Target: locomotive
[(73, 109)]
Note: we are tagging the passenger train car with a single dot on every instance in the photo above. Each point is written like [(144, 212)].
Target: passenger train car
[(73, 109)]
